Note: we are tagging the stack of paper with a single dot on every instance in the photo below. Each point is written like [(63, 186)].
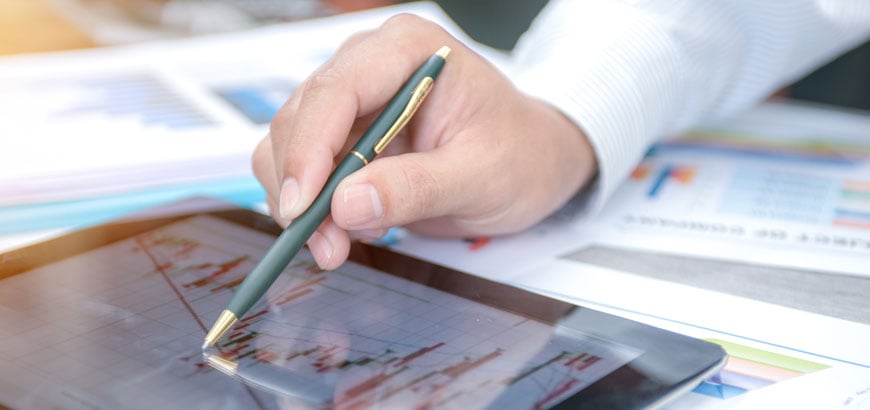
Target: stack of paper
[(138, 119)]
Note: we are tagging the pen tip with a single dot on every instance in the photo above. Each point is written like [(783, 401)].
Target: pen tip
[(223, 323), (443, 52)]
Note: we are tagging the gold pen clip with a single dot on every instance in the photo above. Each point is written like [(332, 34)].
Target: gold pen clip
[(417, 96)]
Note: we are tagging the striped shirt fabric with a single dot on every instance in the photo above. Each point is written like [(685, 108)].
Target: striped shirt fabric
[(628, 72)]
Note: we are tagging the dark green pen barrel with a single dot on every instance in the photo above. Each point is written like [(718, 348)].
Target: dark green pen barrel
[(293, 238), (289, 242), (365, 146)]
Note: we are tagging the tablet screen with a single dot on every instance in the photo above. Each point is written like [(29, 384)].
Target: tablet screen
[(120, 326)]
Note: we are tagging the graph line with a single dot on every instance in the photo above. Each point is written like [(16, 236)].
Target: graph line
[(160, 269)]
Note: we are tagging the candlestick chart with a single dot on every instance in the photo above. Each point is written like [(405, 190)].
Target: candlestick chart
[(351, 338)]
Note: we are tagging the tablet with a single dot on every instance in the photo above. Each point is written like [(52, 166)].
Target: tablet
[(114, 317)]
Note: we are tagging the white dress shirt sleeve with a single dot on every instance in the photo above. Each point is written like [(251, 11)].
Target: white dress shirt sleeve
[(628, 72)]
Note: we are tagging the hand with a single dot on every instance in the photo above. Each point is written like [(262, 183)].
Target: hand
[(478, 158)]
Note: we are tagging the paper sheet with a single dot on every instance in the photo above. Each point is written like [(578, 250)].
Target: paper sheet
[(781, 185), (499, 258), (102, 121)]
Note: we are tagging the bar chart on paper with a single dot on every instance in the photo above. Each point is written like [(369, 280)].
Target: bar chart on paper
[(143, 97), (133, 100), (125, 322), (757, 192), (762, 178), (771, 193), (750, 369), (108, 141), (258, 101)]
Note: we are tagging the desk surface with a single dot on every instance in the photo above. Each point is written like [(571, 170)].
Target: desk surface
[(834, 295), (30, 26), (33, 26)]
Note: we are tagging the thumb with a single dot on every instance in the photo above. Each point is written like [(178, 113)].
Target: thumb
[(398, 190)]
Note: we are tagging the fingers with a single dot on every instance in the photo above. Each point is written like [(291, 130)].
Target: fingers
[(264, 169), (329, 245), (310, 131)]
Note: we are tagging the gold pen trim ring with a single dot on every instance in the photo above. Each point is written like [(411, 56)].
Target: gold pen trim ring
[(360, 156)]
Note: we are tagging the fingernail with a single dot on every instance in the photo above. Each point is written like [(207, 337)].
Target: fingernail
[(362, 204), (320, 248), (288, 198)]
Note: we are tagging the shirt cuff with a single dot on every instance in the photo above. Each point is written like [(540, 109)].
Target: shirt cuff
[(587, 67)]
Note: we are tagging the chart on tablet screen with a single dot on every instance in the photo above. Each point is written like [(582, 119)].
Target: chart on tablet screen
[(125, 321)]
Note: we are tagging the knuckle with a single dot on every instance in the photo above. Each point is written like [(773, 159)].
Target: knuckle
[(324, 78), (354, 39), (408, 30), (403, 21)]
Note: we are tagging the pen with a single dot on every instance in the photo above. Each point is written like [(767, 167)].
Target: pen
[(397, 113)]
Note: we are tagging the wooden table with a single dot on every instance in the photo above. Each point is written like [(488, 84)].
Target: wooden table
[(28, 26)]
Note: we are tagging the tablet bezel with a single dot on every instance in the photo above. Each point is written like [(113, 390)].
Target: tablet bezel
[(670, 363)]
